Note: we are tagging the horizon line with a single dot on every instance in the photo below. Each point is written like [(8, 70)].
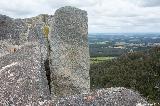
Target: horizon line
[(124, 33)]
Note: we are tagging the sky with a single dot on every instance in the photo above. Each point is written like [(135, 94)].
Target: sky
[(104, 16)]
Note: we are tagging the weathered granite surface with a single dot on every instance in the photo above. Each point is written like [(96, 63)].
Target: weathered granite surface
[(69, 52), (22, 30), (102, 97), (16, 32), (6, 27), (23, 56), (23, 77)]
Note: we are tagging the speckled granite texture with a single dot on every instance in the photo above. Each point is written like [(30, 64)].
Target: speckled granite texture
[(23, 53), (69, 52), (103, 97), (23, 77)]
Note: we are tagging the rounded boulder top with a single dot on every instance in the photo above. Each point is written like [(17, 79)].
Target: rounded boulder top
[(70, 9), (71, 25)]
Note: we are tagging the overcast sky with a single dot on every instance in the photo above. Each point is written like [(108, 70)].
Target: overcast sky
[(105, 16)]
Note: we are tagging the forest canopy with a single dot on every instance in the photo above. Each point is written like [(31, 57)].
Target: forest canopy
[(139, 71)]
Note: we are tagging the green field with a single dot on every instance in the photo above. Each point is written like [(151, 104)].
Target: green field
[(100, 59)]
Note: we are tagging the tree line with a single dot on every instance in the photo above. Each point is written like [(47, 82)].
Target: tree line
[(138, 70)]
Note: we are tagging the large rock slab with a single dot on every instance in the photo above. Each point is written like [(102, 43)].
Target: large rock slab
[(6, 27), (22, 76), (19, 31), (23, 60), (69, 53), (103, 97)]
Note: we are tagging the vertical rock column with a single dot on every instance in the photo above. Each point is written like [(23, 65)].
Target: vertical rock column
[(69, 56)]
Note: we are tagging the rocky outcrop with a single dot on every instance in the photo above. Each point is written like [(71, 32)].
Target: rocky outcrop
[(22, 30), (23, 56), (69, 52), (103, 97), (45, 57), (23, 77), (6, 27)]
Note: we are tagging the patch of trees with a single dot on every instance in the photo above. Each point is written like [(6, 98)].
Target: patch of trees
[(139, 71)]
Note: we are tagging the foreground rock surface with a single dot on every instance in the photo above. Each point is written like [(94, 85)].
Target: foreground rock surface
[(103, 97), (23, 77)]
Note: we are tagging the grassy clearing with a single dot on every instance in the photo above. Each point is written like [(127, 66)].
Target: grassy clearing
[(100, 59)]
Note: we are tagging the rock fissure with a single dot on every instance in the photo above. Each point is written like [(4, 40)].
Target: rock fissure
[(48, 73)]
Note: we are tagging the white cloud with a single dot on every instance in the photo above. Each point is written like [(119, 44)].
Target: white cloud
[(104, 15), (147, 3)]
